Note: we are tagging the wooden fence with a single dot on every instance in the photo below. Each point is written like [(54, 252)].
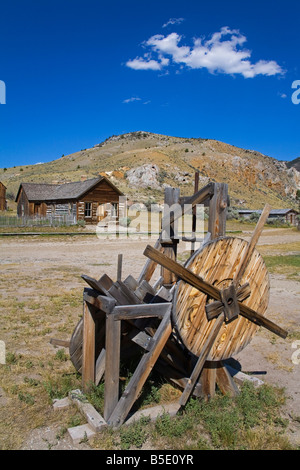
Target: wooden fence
[(57, 221)]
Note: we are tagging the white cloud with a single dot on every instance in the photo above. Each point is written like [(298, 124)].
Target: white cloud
[(223, 53), (133, 98), (172, 21), (144, 64)]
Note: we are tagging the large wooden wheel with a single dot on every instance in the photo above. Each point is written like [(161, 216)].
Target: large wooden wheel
[(217, 264)]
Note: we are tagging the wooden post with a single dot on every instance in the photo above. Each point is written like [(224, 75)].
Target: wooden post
[(142, 372), (194, 219), (201, 360), (119, 271), (169, 241), (88, 347), (112, 365), (218, 211), (225, 382)]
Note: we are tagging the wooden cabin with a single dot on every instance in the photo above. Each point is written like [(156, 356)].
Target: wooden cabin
[(2, 197), (90, 200), (288, 215)]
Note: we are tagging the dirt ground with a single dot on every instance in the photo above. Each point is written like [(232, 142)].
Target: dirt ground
[(271, 359)]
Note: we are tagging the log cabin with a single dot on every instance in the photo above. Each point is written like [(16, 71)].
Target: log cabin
[(2, 197), (91, 200)]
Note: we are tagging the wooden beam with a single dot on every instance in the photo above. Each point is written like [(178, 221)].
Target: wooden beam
[(197, 282), (169, 238), (150, 266), (101, 302), (225, 382), (251, 247), (60, 342), (119, 267), (202, 359), (88, 348), (112, 365), (194, 217), (132, 312), (198, 198), (218, 210), (141, 373)]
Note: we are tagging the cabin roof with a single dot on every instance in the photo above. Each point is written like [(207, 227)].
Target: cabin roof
[(272, 212), (61, 192)]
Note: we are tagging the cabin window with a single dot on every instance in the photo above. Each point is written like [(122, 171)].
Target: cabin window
[(114, 209), (87, 209)]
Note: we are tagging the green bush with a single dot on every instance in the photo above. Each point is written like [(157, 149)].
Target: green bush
[(125, 221)]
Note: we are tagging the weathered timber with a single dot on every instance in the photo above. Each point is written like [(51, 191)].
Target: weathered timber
[(119, 267), (88, 352), (218, 210), (150, 266), (169, 239), (132, 312), (251, 247), (194, 216), (101, 302), (214, 309), (112, 365), (225, 381), (141, 373), (60, 342), (202, 195), (230, 302), (211, 338)]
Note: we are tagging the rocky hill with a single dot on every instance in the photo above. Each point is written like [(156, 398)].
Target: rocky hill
[(141, 164), (294, 164)]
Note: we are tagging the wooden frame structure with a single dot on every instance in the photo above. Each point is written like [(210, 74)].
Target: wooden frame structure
[(125, 316)]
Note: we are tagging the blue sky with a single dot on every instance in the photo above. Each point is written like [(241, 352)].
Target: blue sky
[(77, 72)]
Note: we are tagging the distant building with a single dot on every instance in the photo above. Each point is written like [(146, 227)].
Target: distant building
[(289, 215), (90, 200), (2, 197)]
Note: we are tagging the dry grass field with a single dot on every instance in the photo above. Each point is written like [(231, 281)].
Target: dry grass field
[(41, 298)]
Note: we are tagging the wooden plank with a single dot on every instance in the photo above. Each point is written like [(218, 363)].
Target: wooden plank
[(158, 283), (132, 312), (201, 360), (112, 365), (88, 349), (150, 266), (251, 247), (218, 210), (169, 238), (194, 216), (225, 382), (141, 373), (212, 291), (106, 282), (128, 292), (143, 289), (208, 380), (131, 282), (101, 302), (60, 342), (198, 198), (94, 284), (119, 267), (100, 366)]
